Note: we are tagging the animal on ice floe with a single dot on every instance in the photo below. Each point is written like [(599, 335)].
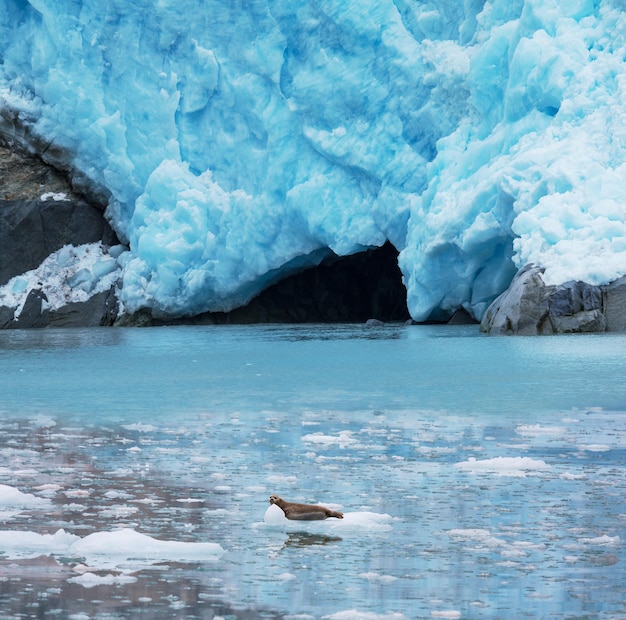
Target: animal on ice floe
[(304, 512)]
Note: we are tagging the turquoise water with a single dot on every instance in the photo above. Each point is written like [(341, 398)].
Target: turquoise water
[(493, 469)]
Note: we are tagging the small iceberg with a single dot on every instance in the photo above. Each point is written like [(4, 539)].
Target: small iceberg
[(123, 549)]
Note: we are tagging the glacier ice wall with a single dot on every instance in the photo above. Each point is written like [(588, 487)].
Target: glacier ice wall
[(239, 141)]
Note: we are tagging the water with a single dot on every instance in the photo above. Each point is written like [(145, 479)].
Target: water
[(481, 477)]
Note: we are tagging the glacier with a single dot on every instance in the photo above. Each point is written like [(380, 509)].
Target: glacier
[(236, 143)]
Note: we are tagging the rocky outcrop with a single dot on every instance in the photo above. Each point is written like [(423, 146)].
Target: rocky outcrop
[(31, 230), (530, 307), (40, 213), (99, 310)]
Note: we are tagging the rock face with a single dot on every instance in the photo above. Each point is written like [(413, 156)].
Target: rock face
[(39, 214), (31, 230), (530, 307)]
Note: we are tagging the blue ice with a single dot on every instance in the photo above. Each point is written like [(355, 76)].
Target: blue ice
[(237, 145)]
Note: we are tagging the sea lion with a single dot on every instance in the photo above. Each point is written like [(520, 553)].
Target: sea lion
[(304, 512)]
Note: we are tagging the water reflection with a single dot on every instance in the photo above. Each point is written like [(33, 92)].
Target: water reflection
[(306, 539)]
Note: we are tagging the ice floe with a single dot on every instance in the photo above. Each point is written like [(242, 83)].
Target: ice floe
[(13, 501), (355, 614), (123, 549), (517, 466)]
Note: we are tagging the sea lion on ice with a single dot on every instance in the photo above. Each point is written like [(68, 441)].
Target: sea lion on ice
[(304, 512)]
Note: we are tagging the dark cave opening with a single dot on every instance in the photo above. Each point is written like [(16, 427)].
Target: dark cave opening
[(342, 289)]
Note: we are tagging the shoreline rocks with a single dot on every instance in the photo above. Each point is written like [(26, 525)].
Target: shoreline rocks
[(530, 307)]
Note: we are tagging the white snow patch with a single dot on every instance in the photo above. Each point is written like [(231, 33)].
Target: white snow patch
[(56, 196)]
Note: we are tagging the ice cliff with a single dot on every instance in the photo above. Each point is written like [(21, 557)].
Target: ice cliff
[(237, 142)]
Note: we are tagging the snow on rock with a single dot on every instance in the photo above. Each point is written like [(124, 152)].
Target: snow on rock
[(72, 274), (476, 137)]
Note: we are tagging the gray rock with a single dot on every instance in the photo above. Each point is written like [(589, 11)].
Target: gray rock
[(530, 307), (6, 316), (32, 230), (615, 305), (32, 314), (462, 317), (522, 308), (98, 311), (585, 321)]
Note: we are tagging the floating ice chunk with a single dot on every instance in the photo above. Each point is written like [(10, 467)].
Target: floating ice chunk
[(128, 548), (139, 426), (343, 439), (13, 501), (275, 516), (122, 549), (450, 614), (10, 497), (595, 447), (117, 512), (22, 545), (355, 614), (535, 430), (570, 476), (518, 466), (90, 580), (484, 537), (603, 541), (278, 479), (377, 577)]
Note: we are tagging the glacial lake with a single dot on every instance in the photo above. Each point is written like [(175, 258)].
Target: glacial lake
[(479, 477)]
